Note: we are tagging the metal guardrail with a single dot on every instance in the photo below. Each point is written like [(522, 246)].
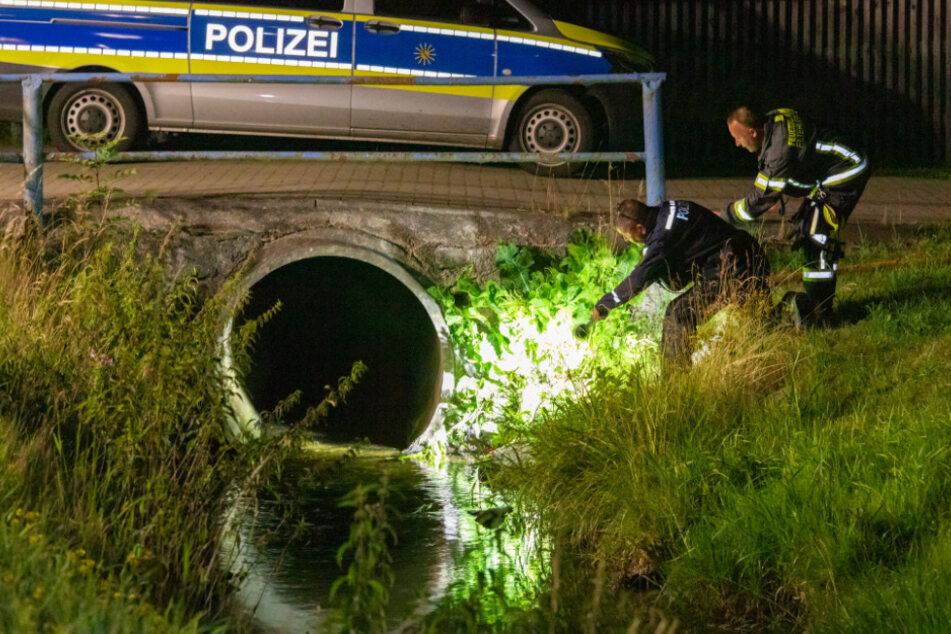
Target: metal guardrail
[(33, 158)]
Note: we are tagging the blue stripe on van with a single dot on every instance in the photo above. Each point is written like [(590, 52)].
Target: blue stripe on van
[(428, 52), (101, 37), (30, 14), (523, 60)]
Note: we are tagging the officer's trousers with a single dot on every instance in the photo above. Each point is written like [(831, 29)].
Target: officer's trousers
[(734, 274)]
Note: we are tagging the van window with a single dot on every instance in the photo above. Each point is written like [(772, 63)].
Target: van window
[(332, 6), (438, 10), (507, 18), (484, 13), (493, 14)]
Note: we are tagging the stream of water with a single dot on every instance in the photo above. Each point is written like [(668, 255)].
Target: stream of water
[(440, 548)]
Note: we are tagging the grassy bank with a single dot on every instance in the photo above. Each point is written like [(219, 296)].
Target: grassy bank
[(791, 481), (115, 468)]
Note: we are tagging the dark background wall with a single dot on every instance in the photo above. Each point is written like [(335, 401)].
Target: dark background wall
[(878, 71)]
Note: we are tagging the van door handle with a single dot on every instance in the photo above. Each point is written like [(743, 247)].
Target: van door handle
[(380, 26), (324, 23)]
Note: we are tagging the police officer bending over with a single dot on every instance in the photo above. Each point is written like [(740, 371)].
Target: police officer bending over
[(796, 160), (685, 242)]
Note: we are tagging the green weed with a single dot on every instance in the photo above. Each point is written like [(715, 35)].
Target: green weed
[(369, 577), (45, 586), (94, 172)]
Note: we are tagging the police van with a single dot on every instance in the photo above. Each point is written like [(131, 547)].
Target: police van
[(350, 38)]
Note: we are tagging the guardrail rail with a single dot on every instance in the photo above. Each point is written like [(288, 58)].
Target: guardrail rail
[(33, 158)]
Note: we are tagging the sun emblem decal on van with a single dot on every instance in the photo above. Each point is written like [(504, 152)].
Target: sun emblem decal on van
[(425, 54)]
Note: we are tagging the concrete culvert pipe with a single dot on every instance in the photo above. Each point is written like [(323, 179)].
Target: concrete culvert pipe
[(341, 304)]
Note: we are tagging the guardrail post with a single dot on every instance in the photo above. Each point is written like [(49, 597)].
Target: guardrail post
[(33, 146), (653, 142)]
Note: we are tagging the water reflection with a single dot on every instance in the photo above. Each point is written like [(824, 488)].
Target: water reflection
[(440, 548)]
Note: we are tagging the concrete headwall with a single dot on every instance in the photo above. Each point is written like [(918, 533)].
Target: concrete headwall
[(218, 235)]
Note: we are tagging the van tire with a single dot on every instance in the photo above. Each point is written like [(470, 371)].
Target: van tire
[(553, 121), (90, 109)]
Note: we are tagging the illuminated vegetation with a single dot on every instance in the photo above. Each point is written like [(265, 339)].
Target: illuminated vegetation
[(514, 336)]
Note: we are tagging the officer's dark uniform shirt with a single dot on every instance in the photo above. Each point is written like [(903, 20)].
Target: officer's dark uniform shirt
[(796, 160), (684, 235)]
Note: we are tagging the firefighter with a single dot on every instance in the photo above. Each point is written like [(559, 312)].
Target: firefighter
[(798, 161), (683, 243)]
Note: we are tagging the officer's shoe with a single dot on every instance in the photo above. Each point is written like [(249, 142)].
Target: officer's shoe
[(797, 310), (802, 311), (786, 312)]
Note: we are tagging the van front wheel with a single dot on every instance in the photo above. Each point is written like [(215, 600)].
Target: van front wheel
[(82, 117), (553, 121)]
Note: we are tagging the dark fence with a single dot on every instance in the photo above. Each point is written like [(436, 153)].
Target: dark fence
[(878, 71)]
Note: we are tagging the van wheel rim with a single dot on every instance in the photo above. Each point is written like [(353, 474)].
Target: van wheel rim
[(93, 113), (552, 129)]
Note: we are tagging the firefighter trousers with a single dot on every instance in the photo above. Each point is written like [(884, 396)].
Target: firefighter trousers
[(820, 222)]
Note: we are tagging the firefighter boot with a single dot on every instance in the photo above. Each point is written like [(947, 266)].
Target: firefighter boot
[(821, 295)]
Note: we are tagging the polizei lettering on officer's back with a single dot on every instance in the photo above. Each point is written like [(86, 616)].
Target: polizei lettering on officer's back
[(280, 41)]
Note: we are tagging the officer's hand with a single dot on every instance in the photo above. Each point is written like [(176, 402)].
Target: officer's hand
[(595, 315), (725, 213)]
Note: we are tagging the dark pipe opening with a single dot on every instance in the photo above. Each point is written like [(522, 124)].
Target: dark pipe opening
[(335, 311)]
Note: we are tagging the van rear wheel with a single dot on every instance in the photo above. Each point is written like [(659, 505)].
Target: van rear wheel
[(553, 121), (82, 117)]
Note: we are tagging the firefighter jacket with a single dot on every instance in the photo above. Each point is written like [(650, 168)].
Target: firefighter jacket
[(796, 160), (683, 237)]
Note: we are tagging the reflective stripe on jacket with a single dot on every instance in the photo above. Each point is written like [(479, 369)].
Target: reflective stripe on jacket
[(796, 160)]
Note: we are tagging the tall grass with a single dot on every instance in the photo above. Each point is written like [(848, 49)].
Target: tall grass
[(789, 481), (112, 413), (47, 586)]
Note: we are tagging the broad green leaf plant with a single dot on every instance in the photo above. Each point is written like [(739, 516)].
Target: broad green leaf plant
[(513, 335)]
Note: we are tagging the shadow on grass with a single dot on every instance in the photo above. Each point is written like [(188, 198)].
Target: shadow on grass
[(849, 312)]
